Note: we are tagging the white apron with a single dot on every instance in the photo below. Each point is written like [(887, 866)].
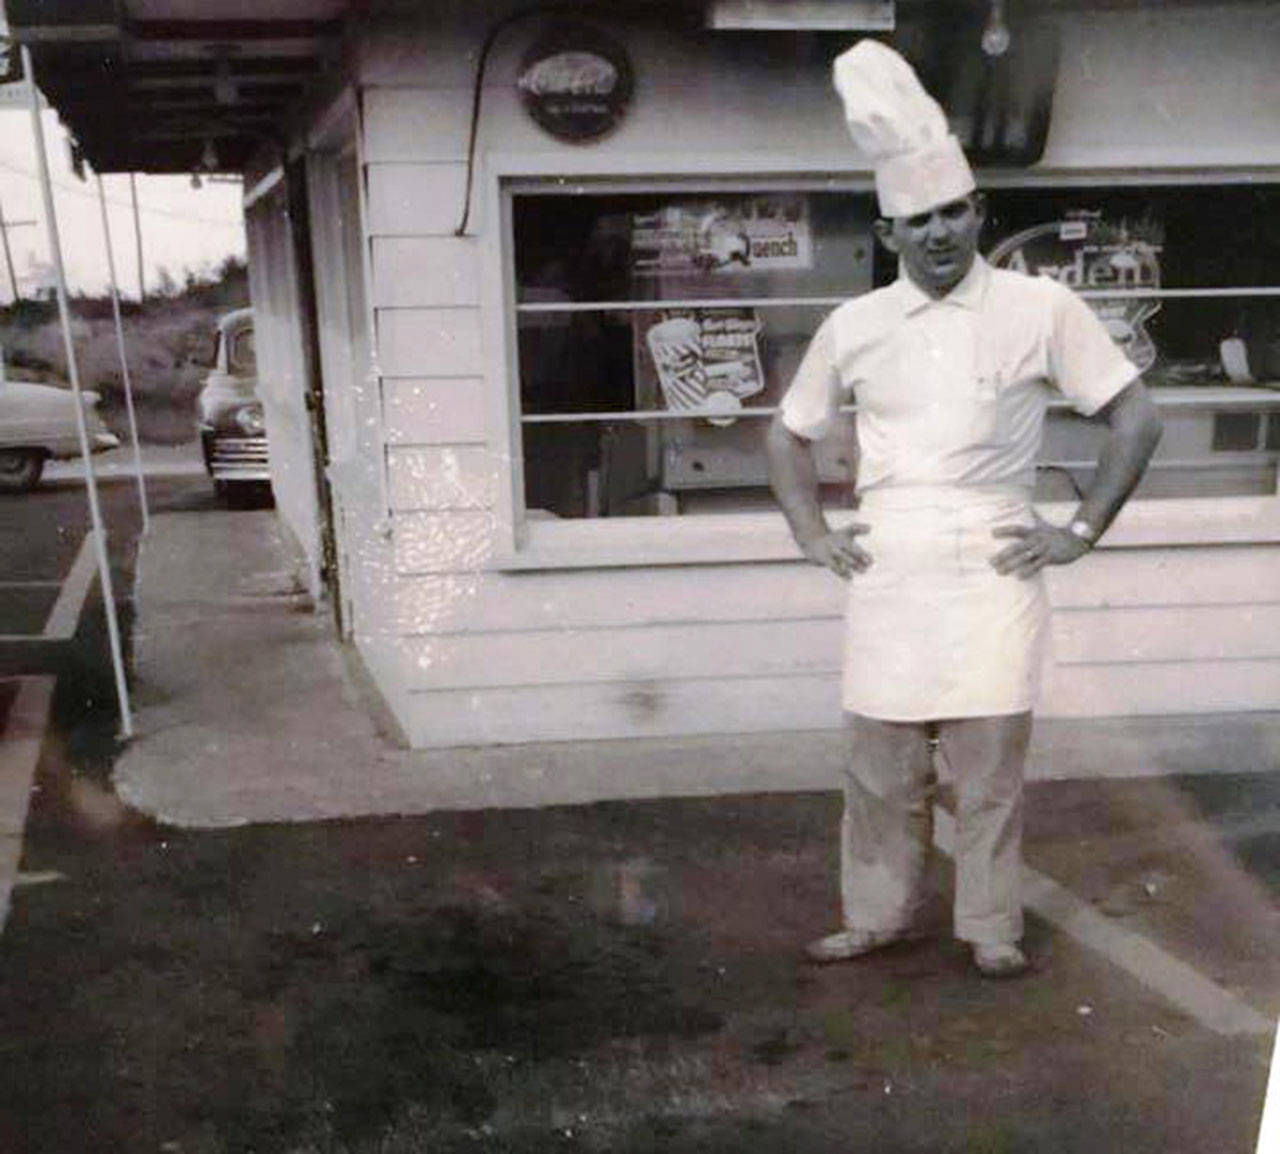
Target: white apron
[(932, 631)]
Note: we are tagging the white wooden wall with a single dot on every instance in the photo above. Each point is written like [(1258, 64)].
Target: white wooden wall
[(273, 288), (481, 656)]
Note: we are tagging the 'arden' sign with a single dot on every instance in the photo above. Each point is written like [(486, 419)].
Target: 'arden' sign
[(1086, 251), (575, 82)]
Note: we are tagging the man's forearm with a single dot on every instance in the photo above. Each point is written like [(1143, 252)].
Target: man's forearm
[(1133, 431), (793, 475)]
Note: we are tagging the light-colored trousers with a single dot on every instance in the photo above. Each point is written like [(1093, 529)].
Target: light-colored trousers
[(887, 829)]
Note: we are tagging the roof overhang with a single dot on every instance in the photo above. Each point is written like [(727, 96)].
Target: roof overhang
[(178, 85), (202, 85)]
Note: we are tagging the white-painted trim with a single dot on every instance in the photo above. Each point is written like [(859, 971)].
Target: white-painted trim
[(20, 745), (747, 537), (262, 187), (524, 543), (1269, 1127), (371, 319), (65, 615), (333, 127), (830, 172), (501, 371)]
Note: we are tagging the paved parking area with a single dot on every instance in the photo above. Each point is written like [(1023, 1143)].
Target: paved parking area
[(621, 976), (496, 972)]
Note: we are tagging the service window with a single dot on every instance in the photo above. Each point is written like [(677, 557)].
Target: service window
[(657, 331), (1187, 279)]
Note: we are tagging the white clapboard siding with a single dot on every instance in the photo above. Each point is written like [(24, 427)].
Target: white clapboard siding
[(1107, 581), (387, 697), (1189, 521), (430, 342), (1169, 633), (717, 628), (415, 199), (425, 271), (413, 53), (441, 411), (589, 599), (754, 705), (453, 542), (358, 514), (1217, 575), (448, 477), (623, 709), (1106, 111), (751, 123), (1161, 687), (415, 124), (648, 653)]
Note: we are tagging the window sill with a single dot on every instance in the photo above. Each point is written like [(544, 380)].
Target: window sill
[(742, 538)]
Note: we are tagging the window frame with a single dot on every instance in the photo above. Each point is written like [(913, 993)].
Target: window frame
[(523, 543)]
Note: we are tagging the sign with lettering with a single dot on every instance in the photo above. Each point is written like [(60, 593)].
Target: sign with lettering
[(733, 235), (1086, 251), (706, 361), (575, 82)]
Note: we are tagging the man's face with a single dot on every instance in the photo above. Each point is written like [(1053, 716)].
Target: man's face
[(937, 247)]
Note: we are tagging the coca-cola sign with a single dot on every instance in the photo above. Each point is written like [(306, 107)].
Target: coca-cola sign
[(575, 82)]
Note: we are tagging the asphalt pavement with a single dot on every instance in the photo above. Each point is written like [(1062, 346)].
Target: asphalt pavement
[(264, 926)]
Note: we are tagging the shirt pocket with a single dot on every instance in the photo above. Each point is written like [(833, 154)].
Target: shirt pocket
[(1001, 365), (988, 423)]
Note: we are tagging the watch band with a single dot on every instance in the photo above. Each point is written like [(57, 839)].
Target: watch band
[(1082, 529)]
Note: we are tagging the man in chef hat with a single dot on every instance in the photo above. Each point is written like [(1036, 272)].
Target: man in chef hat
[(950, 369)]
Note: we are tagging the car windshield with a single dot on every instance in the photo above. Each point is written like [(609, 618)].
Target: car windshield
[(242, 358)]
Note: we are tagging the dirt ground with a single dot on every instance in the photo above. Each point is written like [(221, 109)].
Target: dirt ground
[(614, 977)]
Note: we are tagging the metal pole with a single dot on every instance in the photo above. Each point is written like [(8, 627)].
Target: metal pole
[(124, 359), (137, 236), (73, 369), (8, 256), (1269, 1129)]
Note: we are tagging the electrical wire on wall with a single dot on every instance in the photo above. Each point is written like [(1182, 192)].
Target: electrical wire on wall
[(491, 37)]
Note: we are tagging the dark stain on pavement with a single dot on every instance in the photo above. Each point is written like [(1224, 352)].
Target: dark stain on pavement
[(621, 977)]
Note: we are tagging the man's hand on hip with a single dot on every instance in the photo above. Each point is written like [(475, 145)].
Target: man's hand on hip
[(839, 551), (1036, 546)]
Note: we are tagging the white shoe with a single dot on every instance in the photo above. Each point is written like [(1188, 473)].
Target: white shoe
[(853, 943), (999, 961)]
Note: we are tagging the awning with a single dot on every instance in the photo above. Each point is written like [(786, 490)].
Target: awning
[(201, 85), (178, 85)]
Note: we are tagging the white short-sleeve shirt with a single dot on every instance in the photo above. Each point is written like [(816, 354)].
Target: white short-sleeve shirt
[(953, 391)]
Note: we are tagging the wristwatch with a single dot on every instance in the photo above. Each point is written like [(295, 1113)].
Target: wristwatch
[(1082, 529)]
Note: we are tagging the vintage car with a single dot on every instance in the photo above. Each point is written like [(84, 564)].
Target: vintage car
[(232, 428), (38, 422)]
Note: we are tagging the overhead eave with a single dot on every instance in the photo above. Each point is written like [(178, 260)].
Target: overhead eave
[(170, 85), (178, 85)]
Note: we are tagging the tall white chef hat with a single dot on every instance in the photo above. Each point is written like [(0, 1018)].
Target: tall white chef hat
[(901, 129)]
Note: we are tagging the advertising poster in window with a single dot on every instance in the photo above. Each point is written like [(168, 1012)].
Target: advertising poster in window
[(741, 234), (1085, 251), (704, 361)]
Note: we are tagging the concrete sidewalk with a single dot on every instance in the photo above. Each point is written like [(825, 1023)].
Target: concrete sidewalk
[(249, 710)]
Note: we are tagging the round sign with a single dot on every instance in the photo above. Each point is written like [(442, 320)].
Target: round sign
[(575, 82), (1083, 251)]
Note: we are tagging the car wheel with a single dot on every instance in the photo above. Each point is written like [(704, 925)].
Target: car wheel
[(20, 470)]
